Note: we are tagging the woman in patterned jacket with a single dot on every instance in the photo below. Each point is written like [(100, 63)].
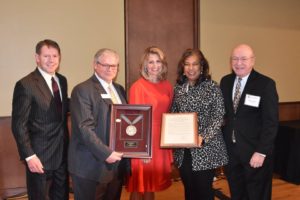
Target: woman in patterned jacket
[(196, 92)]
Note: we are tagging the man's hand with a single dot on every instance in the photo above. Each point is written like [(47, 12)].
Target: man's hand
[(35, 165), (114, 156), (257, 160)]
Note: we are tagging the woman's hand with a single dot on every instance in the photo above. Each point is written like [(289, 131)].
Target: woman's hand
[(200, 141)]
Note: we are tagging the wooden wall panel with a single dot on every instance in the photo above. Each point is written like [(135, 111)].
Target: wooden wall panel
[(172, 25), (12, 170), (289, 111)]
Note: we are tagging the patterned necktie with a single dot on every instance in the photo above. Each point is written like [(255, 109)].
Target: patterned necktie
[(56, 95), (112, 95), (237, 95), (236, 99)]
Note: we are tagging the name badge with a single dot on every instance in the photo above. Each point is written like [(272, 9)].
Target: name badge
[(105, 96), (252, 100)]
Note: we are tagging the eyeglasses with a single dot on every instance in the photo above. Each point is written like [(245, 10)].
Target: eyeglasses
[(242, 59), (107, 66)]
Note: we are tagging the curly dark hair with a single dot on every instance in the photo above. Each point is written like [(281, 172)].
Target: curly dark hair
[(204, 66)]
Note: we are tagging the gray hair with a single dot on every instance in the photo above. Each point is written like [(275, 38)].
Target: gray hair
[(105, 51)]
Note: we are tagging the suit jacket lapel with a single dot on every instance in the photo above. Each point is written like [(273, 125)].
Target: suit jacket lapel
[(120, 93), (230, 91), (246, 89), (42, 86), (100, 90)]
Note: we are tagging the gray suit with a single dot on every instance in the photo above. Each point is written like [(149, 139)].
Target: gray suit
[(90, 114)]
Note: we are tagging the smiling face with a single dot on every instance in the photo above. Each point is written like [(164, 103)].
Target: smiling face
[(106, 66), (154, 67), (242, 60), (48, 59), (192, 69)]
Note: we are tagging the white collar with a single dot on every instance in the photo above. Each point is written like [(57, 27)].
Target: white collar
[(103, 82)]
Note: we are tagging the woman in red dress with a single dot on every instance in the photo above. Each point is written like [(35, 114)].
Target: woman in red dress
[(153, 174)]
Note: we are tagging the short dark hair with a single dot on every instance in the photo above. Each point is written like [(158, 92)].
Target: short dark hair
[(204, 66), (48, 43)]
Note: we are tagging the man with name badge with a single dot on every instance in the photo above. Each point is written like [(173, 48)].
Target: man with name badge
[(251, 121), (94, 167)]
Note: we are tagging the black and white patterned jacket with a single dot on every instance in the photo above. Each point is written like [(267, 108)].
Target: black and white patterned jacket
[(206, 100)]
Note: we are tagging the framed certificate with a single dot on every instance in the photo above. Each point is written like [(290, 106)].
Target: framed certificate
[(130, 130), (179, 130)]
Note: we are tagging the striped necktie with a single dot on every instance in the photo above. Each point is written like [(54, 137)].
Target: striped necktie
[(237, 95), (112, 95), (236, 99)]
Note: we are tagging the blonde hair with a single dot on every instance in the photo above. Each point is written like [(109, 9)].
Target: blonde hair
[(144, 61)]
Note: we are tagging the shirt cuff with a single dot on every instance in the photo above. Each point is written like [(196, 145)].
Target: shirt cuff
[(263, 155), (30, 157)]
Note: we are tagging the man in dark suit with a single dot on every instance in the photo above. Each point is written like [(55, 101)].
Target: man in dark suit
[(251, 121), (93, 166), (39, 125)]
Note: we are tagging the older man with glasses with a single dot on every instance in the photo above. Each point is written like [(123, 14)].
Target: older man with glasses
[(94, 167), (251, 120)]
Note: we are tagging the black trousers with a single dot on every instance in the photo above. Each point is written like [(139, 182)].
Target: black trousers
[(85, 189), (52, 185), (247, 183), (197, 184)]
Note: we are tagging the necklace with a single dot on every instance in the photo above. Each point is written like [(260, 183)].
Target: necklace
[(131, 129)]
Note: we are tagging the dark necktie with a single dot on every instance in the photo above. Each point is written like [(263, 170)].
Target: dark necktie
[(56, 95)]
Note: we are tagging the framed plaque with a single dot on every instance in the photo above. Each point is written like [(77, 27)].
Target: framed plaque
[(130, 130), (179, 130)]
